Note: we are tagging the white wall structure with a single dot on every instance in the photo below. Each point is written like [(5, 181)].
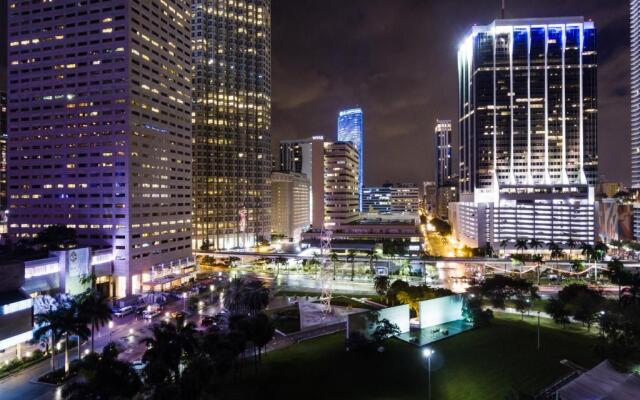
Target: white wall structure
[(398, 315), (440, 311)]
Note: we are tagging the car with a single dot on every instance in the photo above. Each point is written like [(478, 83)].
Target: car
[(126, 310), (150, 314), (208, 321)]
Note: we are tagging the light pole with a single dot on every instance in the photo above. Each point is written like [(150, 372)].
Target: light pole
[(538, 329), (211, 289), (184, 301), (427, 353), (110, 327), (602, 313)]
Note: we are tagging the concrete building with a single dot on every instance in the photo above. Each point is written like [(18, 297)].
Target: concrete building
[(445, 196), (99, 99), (376, 199), (430, 196), (528, 130), (3, 163), (231, 122), (443, 152), (289, 204), (341, 186), (306, 156), (351, 129), (635, 94), (405, 198), (16, 307)]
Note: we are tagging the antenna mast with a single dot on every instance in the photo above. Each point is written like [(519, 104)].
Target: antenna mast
[(502, 10)]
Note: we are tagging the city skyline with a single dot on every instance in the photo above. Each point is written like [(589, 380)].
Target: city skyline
[(396, 88)]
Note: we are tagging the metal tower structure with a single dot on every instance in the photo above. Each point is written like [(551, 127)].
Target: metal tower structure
[(326, 277)]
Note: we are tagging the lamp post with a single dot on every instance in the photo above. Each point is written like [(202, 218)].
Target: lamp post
[(211, 289), (184, 301), (110, 327), (602, 313), (538, 329), (427, 353)]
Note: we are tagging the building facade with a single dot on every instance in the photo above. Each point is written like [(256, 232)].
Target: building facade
[(351, 129), (443, 152), (405, 198), (445, 196), (528, 103), (376, 199), (528, 128), (3, 164), (306, 156), (99, 100), (341, 185), (430, 196), (231, 122), (635, 94), (290, 204)]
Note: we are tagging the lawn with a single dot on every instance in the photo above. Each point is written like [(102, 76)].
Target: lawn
[(480, 364)]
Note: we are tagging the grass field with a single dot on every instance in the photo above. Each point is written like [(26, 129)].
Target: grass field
[(481, 364)]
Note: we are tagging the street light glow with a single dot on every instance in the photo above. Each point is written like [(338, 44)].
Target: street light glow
[(427, 352)]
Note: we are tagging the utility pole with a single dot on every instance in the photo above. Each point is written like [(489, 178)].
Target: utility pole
[(502, 10)]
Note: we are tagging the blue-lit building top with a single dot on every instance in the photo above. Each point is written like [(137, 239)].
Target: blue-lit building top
[(528, 103), (351, 129)]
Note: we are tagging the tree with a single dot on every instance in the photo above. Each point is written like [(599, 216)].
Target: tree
[(571, 244), (48, 324), (103, 377), (93, 307), (535, 244), (522, 304), (280, 261), (205, 245), (351, 257), (441, 226), (262, 331), (488, 250), (56, 237), (381, 284), (557, 310), (334, 260), (537, 258), (521, 245), (503, 245), (383, 330), (244, 296), (372, 257), (617, 274)]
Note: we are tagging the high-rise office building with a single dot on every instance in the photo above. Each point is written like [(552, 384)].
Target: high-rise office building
[(290, 204), (443, 152), (231, 122), (351, 129), (3, 163), (341, 186), (528, 103), (405, 197), (99, 99), (635, 94), (306, 156), (528, 131), (635, 110)]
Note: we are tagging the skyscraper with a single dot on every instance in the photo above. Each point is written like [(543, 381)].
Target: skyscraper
[(351, 129), (443, 152), (341, 189), (528, 103), (290, 214), (231, 122), (528, 131), (306, 156), (99, 99), (635, 94)]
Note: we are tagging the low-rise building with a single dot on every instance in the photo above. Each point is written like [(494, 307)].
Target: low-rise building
[(289, 204)]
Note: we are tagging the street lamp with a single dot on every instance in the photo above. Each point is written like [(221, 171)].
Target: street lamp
[(427, 353), (538, 329), (184, 302), (602, 313), (211, 289)]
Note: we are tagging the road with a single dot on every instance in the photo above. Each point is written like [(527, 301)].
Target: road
[(127, 332)]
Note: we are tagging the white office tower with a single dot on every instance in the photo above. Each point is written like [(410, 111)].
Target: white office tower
[(528, 132)]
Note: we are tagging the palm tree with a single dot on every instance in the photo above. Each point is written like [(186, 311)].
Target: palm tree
[(93, 307), (103, 377), (334, 260), (72, 323), (521, 245), (372, 257), (537, 258), (503, 245), (351, 257), (535, 244), (244, 296), (571, 244), (49, 324), (280, 261)]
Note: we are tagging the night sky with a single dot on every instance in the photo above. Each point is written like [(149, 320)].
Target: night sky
[(397, 59)]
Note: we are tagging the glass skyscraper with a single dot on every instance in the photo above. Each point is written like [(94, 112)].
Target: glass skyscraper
[(528, 104), (351, 129), (635, 94), (231, 122)]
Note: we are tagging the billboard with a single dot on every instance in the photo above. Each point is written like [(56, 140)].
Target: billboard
[(440, 311)]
